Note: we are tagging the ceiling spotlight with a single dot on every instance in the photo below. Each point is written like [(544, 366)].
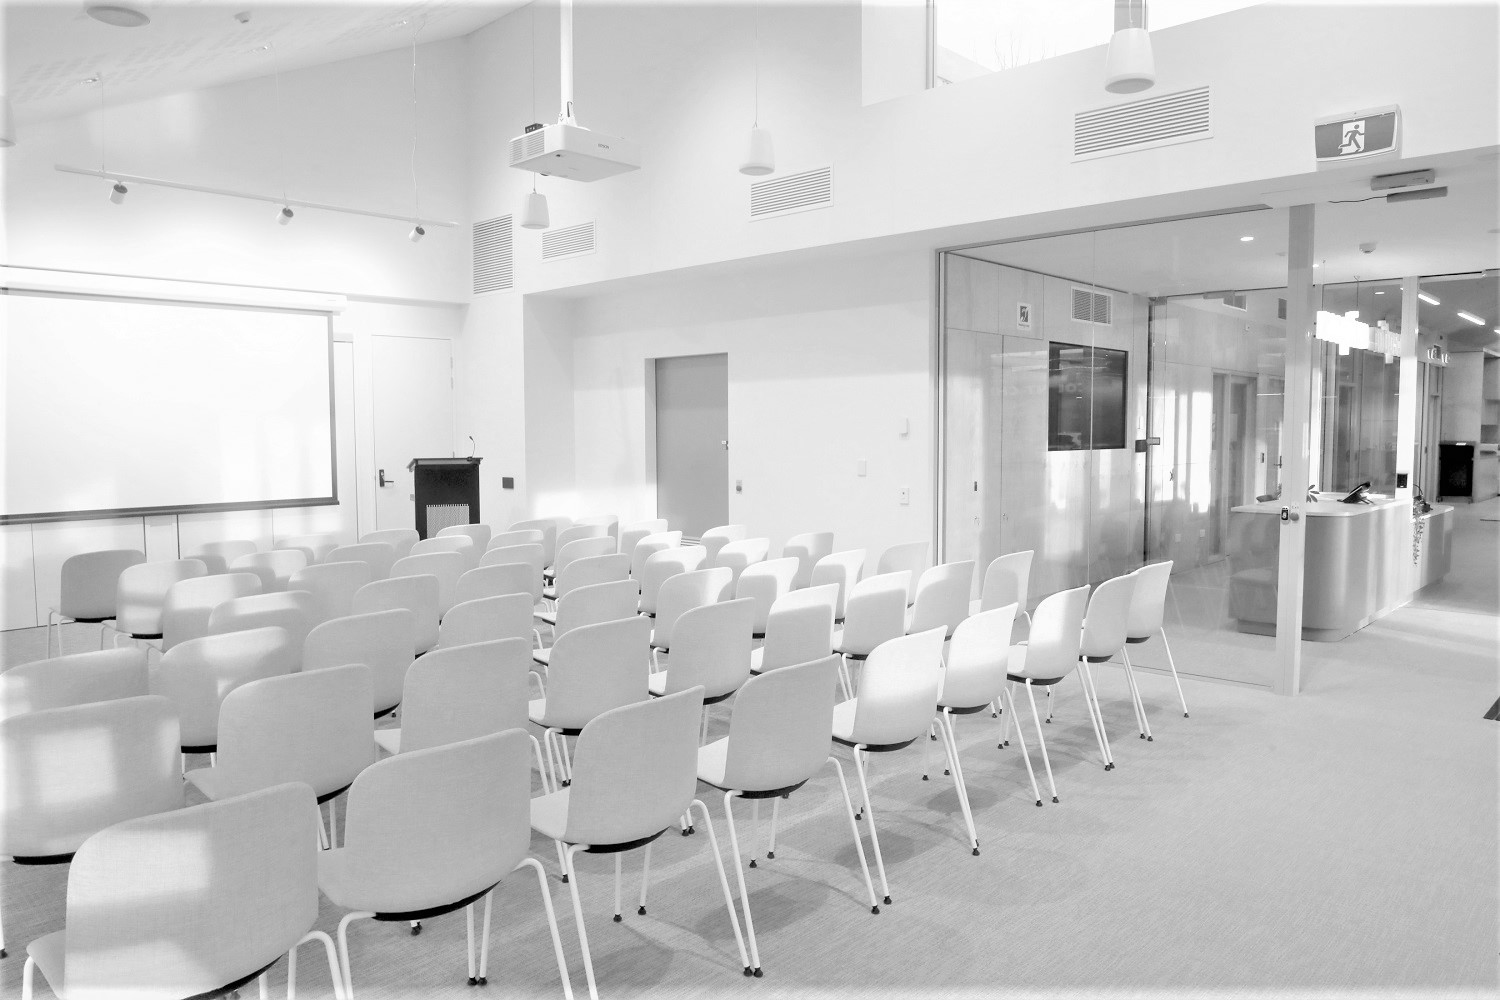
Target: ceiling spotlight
[(118, 192), (1476, 320), (1247, 239), (1431, 300), (284, 215), (417, 232), (117, 15), (534, 211)]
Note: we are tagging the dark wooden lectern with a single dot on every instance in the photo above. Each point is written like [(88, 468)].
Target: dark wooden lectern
[(446, 492)]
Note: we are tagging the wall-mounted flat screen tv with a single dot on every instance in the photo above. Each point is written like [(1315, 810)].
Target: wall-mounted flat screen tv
[(1086, 391)]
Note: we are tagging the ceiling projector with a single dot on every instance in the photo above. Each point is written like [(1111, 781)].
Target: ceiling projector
[(567, 150)]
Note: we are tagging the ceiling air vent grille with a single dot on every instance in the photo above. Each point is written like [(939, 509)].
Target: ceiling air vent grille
[(1091, 307), (493, 256), (793, 193), (1157, 121), (572, 241), (524, 147)]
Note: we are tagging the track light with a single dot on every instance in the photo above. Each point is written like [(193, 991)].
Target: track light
[(534, 211), (760, 153), (284, 215), (417, 232), (118, 192), (1129, 67)]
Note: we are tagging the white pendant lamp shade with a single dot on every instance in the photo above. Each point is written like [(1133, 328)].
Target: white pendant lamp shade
[(7, 122), (534, 211), (760, 154), (1129, 68)]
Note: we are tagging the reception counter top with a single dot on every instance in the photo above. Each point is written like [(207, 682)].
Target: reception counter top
[(1362, 562)]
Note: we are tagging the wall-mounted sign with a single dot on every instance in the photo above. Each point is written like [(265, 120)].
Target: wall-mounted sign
[(1023, 315), (1363, 133)]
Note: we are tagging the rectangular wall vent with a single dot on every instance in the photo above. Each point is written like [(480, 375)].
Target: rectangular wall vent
[(524, 147), (1091, 307), (493, 256), (571, 241), (1156, 121), (793, 193)]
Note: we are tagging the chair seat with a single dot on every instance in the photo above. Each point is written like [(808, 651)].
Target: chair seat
[(549, 814), (353, 889), (388, 740), (50, 953), (712, 761), (210, 781), (549, 593), (657, 683), (757, 657), (542, 656), (548, 617)]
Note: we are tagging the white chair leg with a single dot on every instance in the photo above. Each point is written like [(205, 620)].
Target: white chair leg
[(344, 948), (1170, 662), (1046, 761), (739, 874), (484, 940), (1010, 703), (28, 973), (1091, 694), (333, 822), (322, 832), (734, 920), (583, 937), (859, 846), (265, 986), (927, 751), (469, 941), (775, 819), (864, 788), (1135, 693), (950, 744), (618, 918), (844, 677), (1006, 719), (645, 881), (557, 949), (541, 765)]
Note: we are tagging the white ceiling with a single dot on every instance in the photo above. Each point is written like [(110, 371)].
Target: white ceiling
[(52, 45)]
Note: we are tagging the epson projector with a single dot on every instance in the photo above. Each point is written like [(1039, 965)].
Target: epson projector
[(564, 150)]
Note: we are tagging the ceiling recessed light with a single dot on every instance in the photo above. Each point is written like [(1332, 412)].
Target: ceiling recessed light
[(1431, 300), (117, 15), (89, 81), (1476, 320), (1378, 292), (1247, 239)]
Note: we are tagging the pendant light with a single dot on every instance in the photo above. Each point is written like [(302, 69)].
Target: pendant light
[(533, 203), (760, 153), (1129, 68)]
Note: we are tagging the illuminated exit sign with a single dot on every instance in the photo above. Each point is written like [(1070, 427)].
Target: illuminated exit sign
[(1364, 133)]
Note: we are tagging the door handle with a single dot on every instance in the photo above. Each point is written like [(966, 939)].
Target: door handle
[(725, 444), (383, 480)]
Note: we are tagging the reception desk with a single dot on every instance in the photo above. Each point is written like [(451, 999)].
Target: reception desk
[(1363, 561)]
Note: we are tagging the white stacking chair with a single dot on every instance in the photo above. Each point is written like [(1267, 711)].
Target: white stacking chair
[(874, 613), (528, 554), (807, 549), (432, 831), (974, 677), (664, 565), (421, 594), (897, 701), (632, 534), (280, 564), (942, 597), (309, 727), (649, 546), (399, 539), (1148, 608), (503, 539), (737, 555), (910, 556), (1049, 654), (609, 522), (315, 547), (447, 567), (842, 569), (488, 581), (219, 556), (75, 679), (188, 604), (1007, 580), (377, 555), (332, 585), (548, 527), (479, 534), (715, 539), (587, 571), (486, 619), (764, 583), (141, 594), (777, 742), (799, 629), (383, 641), (579, 548), (1104, 627), (634, 777), (143, 920), (712, 651), (575, 531), (599, 602), (683, 592), (461, 693), (292, 610), (89, 583), (462, 544), (198, 675)]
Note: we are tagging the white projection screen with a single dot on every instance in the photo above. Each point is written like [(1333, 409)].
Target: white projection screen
[(130, 406)]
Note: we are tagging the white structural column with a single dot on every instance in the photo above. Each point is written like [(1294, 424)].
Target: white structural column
[(1300, 310), (1408, 399)]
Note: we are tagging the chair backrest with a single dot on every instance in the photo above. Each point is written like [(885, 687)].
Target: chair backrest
[(841, 568), (977, 655), (898, 689), (377, 555), (943, 597), (910, 556), (218, 556), (420, 594), (662, 566), (142, 589), (280, 563), (524, 536), (581, 548), (875, 612), (1007, 580), (738, 555), (461, 544), (631, 534), (778, 733), (609, 522), (485, 619), (763, 583), (447, 567), (683, 591), (569, 534), (186, 608), (711, 648), (595, 668), (590, 570), (333, 585), (316, 547), (213, 893), (432, 827), (479, 534), (70, 772), (807, 549), (800, 628), (598, 602), (529, 554), (198, 674), (75, 679), (548, 527), (1148, 604), (512, 578), (635, 770), (399, 539), (292, 610), (89, 580), (1107, 616), (715, 539), (462, 692), (383, 641), (310, 727), (489, 581), (1056, 633), (649, 546)]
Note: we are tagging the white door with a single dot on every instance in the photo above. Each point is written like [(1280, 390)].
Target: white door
[(692, 442), (413, 397)]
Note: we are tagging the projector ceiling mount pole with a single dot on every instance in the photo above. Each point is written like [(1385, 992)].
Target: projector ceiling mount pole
[(565, 31)]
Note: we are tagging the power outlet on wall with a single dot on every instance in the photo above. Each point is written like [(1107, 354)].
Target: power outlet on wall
[(903, 496)]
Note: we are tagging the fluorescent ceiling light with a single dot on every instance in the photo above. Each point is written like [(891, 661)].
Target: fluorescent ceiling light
[(1476, 320), (1431, 300), (1379, 293), (1247, 239)]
